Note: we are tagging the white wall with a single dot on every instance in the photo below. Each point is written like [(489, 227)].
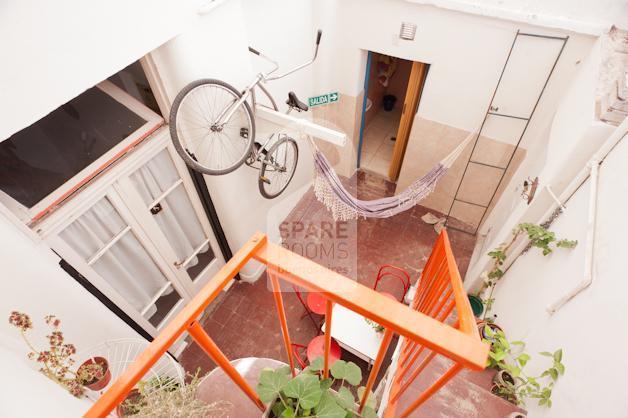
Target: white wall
[(53, 51), (218, 48), (590, 16), (592, 327)]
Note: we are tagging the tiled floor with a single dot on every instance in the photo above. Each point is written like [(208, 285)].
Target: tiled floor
[(244, 322), (377, 146)]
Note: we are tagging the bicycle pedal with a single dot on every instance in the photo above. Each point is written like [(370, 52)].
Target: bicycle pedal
[(264, 179)]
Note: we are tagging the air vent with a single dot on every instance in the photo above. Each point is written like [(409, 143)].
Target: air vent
[(408, 30)]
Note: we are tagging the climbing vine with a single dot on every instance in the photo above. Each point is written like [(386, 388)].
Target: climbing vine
[(539, 237)]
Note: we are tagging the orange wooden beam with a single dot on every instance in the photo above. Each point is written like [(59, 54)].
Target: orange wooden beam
[(283, 321), (209, 346), (391, 314)]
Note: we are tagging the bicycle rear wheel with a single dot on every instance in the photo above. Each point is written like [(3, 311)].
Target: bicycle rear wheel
[(278, 167), (203, 145)]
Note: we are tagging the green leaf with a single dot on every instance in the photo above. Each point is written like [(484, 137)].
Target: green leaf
[(270, 384), (370, 401), (288, 413), (317, 364), (347, 371), (554, 373), (558, 355), (328, 407), (521, 343), (523, 359), (305, 388), (561, 368), (369, 412), (326, 383), (278, 409), (546, 354), (345, 398)]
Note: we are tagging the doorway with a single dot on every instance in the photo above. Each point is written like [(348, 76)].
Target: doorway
[(392, 91)]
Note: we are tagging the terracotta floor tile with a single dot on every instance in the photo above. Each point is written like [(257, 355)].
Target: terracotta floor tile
[(245, 323)]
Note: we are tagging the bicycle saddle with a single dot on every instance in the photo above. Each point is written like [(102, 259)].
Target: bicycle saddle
[(293, 101)]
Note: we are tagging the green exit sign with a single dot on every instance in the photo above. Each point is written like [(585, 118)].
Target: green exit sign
[(323, 99)]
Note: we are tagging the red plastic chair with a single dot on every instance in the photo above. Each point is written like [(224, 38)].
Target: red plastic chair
[(313, 303), (387, 270), (314, 349)]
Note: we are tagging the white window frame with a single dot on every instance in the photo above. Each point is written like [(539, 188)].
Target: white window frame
[(70, 187)]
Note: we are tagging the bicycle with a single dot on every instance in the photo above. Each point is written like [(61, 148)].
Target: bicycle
[(212, 126)]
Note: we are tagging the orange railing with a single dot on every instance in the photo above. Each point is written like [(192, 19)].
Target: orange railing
[(440, 295), (418, 329)]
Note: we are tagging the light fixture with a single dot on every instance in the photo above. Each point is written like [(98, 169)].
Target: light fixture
[(408, 30)]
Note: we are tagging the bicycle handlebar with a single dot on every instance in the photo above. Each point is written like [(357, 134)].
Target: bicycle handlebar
[(319, 34)]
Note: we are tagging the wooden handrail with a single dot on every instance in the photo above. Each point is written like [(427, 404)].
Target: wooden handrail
[(461, 345)]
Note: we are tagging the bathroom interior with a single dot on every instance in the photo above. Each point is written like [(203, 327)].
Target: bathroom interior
[(388, 80)]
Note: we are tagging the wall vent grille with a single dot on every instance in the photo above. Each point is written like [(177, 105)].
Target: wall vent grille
[(408, 30)]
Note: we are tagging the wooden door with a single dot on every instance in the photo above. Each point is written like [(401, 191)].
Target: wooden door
[(411, 101)]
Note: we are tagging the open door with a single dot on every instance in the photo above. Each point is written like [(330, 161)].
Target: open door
[(410, 104)]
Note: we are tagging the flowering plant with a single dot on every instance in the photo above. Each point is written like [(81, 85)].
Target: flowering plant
[(57, 360)]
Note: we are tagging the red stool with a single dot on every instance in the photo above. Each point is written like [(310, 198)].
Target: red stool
[(386, 271), (313, 303), (315, 349)]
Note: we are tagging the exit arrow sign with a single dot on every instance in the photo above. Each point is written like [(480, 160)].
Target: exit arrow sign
[(323, 99)]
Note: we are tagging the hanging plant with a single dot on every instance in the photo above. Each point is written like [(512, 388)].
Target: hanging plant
[(539, 237)]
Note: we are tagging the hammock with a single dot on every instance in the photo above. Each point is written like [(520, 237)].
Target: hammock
[(330, 191)]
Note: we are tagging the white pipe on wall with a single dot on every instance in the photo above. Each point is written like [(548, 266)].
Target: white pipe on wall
[(590, 250)]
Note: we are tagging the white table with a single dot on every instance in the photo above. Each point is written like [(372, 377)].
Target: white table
[(354, 334)]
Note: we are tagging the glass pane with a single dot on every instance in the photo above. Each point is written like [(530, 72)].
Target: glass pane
[(39, 159), (133, 80), (174, 213), (162, 307), (128, 268), (94, 229), (185, 234), (155, 177)]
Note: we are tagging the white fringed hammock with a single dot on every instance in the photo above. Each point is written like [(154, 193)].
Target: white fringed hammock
[(344, 206)]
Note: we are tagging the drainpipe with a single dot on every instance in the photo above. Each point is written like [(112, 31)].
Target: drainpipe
[(590, 250)]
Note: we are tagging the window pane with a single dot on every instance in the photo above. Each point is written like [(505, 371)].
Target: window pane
[(39, 159), (163, 306), (174, 213), (94, 229)]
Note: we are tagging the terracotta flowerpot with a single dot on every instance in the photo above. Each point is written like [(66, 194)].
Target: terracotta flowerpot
[(122, 410), (98, 384)]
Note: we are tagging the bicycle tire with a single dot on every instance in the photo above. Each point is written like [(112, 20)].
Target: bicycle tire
[(265, 164), (180, 146)]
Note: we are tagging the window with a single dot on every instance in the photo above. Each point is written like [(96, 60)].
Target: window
[(46, 162)]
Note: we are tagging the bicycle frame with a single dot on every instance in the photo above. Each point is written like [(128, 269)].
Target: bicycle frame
[(228, 112)]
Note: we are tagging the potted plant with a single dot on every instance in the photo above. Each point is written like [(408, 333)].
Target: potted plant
[(159, 397), (57, 360), (309, 394), (94, 373), (511, 382)]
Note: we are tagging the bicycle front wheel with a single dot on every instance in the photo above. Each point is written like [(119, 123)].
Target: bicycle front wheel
[(203, 144), (278, 167)]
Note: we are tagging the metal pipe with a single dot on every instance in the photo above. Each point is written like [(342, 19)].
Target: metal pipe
[(590, 250)]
